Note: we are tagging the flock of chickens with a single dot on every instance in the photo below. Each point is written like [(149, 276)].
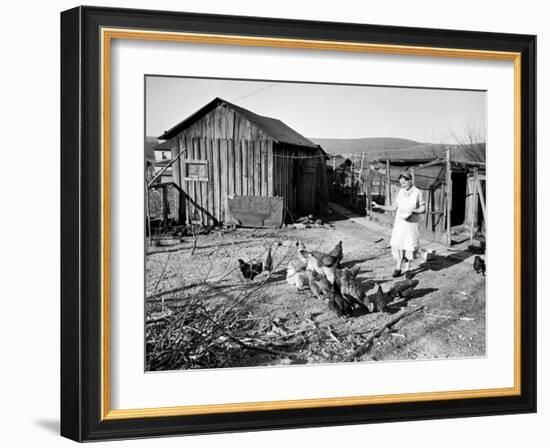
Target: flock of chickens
[(323, 275)]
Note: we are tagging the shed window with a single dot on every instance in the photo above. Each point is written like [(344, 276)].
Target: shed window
[(195, 170)]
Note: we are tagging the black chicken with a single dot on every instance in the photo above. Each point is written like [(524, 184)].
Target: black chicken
[(250, 270), (403, 288), (379, 300), (340, 305), (479, 265)]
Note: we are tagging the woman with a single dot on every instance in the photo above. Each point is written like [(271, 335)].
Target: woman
[(405, 237)]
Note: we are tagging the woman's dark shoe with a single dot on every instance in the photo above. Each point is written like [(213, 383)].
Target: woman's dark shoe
[(396, 273)]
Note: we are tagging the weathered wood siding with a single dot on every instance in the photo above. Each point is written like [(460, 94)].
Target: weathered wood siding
[(242, 160), (239, 167), (225, 123), (299, 176)]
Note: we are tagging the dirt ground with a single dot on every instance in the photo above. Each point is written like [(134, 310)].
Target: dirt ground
[(449, 320)]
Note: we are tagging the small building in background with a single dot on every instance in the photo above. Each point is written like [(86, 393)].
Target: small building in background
[(225, 150), (453, 189)]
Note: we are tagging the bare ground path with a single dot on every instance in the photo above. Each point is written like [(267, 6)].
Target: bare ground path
[(450, 324)]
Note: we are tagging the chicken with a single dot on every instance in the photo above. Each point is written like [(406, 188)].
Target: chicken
[(337, 253), (379, 300), (296, 277), (403, 288), (268, 260), (250, 270), (323, 259), (479, 265), (318, 284), (348, 286), (340, 305), (319, 262)]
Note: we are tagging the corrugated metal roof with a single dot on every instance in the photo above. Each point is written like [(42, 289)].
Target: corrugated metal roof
[(474, 153), (273, 127)]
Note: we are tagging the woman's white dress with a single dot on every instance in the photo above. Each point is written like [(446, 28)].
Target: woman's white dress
[(406, 235)]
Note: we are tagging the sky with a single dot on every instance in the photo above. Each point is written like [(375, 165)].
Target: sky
[(325, 110)]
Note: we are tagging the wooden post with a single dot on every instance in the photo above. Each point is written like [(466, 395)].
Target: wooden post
[(481, 200), (473, 213), (368, 192), (352, 186), (361, 179), (148, 216), (388, 183), (412, 176), (449, 195)]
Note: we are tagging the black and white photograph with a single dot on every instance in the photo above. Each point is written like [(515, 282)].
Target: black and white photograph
[(305, 223)]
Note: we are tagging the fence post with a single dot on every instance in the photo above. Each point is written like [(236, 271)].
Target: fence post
[(388, 183), (449, 195)]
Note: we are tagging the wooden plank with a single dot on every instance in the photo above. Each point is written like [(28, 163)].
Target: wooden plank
[(183, 184), (231, 166), (224, 188), (257, 168), (238, 168), (473, 206), (388, 183), (263, 152), (250, 145), (244, 167), (230, 124), (289, 186), (192, 185), (198, 185), (216, 177), (174, 151), (368, 186), (270, 167), (204, 185), (482, 201), (210, 157), (449, 194), (285, 179)]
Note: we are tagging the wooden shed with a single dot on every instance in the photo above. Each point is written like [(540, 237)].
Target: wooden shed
[(224, 150), (452, 178)]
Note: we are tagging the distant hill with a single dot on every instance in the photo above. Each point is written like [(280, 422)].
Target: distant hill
[(356, 146)]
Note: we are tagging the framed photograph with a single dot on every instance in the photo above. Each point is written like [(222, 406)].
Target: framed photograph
[(274, 224)]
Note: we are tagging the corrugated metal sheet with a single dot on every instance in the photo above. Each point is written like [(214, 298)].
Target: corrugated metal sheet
[(474, 153), (276, 129)]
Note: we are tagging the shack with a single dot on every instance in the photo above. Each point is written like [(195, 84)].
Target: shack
[(224, 150), (452, 178)]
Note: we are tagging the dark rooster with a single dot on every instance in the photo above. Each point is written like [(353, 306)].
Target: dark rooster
[(250, 270), (379, 300), (340, 305), (346, 282), (268, 260), (403, 288), (479, 265)]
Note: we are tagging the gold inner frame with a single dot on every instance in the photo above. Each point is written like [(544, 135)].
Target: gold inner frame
[(107, 35)]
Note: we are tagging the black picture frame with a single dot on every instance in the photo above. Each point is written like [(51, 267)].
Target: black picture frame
[(81, 224)]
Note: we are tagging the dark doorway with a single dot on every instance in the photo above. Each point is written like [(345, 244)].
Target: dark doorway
[(458, 212)]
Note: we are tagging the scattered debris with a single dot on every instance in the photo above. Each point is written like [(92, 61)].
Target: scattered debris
[(467, 319), (364, 348)]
